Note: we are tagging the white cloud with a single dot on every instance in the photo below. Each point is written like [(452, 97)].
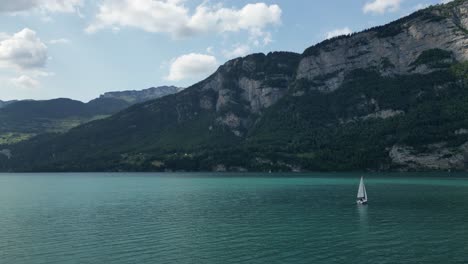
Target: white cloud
[(251, 17), (25, 82), (193, 65), (63, 6), (149, 15), (382, 6), (24, 50), (338, 32), (174, 18), (59, 41), (237, 51), (3, 36)]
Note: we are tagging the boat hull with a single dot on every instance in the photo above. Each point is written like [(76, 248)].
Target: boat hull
[(361, 202)]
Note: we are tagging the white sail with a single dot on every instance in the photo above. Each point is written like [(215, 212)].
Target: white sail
[(362, 194)]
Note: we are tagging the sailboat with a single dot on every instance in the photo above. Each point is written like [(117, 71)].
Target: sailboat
[(362, 194)]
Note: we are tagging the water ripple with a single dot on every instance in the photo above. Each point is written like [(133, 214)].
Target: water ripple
[(140, 219)]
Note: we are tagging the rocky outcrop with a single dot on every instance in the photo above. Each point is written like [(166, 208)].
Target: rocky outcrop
[(256, 81), (6, 153), (261, 96), (384, 114), (461, 131), (392, 49), (143, 95), (381, 114), (245, 87), (436, 157)]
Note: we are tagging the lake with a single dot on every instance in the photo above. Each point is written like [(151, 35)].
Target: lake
[(232, 218)]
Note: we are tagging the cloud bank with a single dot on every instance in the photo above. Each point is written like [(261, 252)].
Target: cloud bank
[(174, 18)]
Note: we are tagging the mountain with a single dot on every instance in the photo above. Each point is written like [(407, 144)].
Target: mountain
[(5, 103), (23, 119), (20, 120), (393, 97), (134, 97)]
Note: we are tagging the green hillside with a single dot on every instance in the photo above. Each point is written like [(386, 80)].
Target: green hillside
[(21, 120), (345, 104)]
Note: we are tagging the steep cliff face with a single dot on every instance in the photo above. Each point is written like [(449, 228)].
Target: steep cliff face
[(256, 82), (243, 88), (389, 98), (392, 49)]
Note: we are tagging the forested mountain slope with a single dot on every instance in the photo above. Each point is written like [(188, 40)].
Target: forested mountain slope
[(392, 97), (21, 120)]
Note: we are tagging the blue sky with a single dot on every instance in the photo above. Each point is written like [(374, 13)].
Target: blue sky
[(82, 48)]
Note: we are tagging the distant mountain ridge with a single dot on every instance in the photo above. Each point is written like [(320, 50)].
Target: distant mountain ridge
[(393, 97), (142, 95), (22, 119), (5, 103)]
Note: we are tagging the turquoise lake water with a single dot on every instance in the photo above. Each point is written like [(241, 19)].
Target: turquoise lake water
[(232, 218)]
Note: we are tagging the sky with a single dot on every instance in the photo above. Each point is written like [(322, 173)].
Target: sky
[(80, 49)]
